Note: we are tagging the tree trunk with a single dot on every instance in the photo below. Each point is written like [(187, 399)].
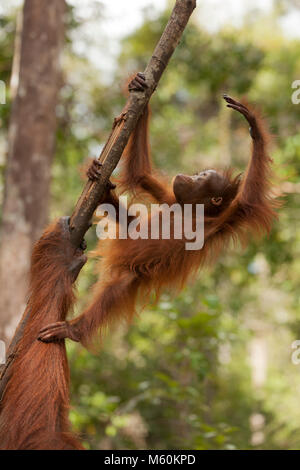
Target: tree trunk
[(36, 78)]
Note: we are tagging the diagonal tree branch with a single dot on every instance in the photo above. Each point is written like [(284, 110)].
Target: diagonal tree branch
[(94, 191), (111, 154)]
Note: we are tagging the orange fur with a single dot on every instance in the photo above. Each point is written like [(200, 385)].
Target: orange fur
[(132, 269), (35, 405)]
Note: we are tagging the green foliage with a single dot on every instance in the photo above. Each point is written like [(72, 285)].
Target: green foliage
[(210, 369)]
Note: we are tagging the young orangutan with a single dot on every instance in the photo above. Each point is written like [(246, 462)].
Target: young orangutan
[(235, 207)]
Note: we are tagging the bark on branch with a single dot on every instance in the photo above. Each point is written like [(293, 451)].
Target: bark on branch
[(111, 154)]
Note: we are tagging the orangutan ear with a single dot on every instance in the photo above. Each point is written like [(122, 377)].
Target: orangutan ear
[(216, 201)]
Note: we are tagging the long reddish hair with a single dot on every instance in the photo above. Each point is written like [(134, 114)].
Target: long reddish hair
[(35, 405)]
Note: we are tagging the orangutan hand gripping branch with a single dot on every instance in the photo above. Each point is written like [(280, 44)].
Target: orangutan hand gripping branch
[(234, 207)]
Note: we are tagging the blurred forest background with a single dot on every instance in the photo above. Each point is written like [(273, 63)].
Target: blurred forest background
[(212, 368)]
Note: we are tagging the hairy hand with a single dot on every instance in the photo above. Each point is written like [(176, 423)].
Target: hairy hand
[(75, 256), (58, 331), (241, 108)]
